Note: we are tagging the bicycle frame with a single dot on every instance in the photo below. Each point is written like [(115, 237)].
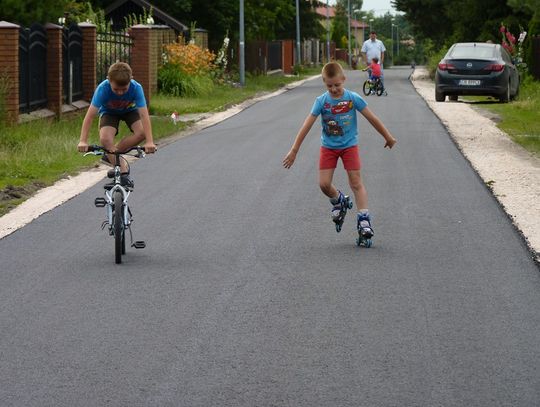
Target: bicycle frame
[(117, 224)]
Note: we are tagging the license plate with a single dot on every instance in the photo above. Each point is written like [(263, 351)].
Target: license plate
[(469, 82)]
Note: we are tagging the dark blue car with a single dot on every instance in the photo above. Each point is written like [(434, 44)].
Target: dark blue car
[(479, 69)]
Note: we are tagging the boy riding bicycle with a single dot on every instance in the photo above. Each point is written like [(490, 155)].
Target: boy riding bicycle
[(374, 70), (117, 98)]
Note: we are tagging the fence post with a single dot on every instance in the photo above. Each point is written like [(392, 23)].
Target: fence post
[(89, 59), (141, 63), (9, 70), (55, 83)]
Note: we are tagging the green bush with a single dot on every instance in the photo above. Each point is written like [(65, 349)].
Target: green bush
[(174, 82)]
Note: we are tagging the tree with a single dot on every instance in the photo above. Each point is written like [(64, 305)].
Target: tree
[(27, 12)]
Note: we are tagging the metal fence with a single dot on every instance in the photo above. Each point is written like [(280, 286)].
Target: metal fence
[(72, 50), (111, 47), (32, 68)]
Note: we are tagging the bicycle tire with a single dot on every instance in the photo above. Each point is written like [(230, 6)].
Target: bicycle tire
[(380, 89), (118, 220), (366, 88)]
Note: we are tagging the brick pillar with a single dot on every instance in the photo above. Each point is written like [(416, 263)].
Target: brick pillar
[(55, 65), (141, 63), (89, 59), (287, 47), (9, 69)]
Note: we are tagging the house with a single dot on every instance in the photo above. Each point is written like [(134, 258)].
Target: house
[(119, 9), (358, 28)]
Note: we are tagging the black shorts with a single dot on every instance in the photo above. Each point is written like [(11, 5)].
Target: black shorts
[(113, 120)]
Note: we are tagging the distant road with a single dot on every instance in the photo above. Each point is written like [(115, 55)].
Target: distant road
[(246, 295)]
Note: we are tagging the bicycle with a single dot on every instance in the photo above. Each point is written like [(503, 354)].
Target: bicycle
[(372, 87), (119, 215)]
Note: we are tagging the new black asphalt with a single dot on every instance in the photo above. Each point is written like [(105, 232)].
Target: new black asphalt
[(247, 296)]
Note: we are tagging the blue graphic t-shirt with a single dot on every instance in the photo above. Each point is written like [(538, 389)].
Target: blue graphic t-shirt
[(338, 119), (109, 102)]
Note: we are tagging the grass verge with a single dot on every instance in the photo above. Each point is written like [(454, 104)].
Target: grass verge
[(519, 118)]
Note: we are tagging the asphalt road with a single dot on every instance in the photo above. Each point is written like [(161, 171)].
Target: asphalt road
[(246, 295)]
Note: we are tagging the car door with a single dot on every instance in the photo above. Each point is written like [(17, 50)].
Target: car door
[(512, 72)]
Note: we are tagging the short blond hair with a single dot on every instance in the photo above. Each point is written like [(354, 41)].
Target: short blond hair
[(120, 73), (332, 70)]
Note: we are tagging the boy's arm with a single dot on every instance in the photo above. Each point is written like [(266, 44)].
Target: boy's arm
[(302, 133), (91, 113), (379, 126), (149, 146)]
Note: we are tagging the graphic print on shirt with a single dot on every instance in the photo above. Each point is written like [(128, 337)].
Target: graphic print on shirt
[(333, 116), (121, 104)]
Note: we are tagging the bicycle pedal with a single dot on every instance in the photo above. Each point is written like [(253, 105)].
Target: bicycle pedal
[(100, 202), (140, 244)]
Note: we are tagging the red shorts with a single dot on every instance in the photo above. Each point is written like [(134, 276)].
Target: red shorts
[(350, 157)]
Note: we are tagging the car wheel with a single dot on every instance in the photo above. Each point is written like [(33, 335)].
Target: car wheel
[(505, 97), (439, 96)]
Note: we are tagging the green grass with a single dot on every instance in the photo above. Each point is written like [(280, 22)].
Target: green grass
[(37, 154), (222, 97), (519, 118)]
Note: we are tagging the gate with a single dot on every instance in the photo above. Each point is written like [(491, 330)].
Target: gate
[(274, 55), (72, 63), (111, 47), (32, 68)]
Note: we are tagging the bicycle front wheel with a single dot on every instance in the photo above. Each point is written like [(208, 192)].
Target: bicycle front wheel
[(118, 220), (366, 88)]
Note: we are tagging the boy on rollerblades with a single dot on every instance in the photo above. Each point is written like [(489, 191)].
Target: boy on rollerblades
[(339, 139)]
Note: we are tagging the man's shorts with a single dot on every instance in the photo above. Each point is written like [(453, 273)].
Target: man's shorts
[(113, 120), (350, 156)]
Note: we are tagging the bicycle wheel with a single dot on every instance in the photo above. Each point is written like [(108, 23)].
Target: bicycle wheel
[(380, 89), (366, 88), (118, 220)]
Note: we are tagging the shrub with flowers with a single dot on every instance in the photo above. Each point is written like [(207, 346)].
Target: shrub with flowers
[(187, 70), (510, 43)]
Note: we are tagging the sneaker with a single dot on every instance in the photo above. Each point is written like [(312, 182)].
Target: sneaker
[(338, 205), (364, 225)]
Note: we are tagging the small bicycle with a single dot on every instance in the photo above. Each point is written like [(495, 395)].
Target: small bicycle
[(119, 215), (374, 87)]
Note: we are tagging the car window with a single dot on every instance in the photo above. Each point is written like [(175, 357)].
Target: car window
[(469, 51), (506, 56)]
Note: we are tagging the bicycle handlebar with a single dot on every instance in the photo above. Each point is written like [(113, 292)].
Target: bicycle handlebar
[(95, 149)]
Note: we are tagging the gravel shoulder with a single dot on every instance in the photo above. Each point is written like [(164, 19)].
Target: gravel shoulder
[(510, 171)]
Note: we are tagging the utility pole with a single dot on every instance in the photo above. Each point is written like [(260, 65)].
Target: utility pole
[(298, 54), (241, 46), (349, 30), (327, 32)]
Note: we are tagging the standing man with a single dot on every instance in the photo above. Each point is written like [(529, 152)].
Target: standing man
[(374, 48)]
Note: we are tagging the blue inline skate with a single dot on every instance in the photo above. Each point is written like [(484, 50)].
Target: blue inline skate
[(365, 231), (341, 204)]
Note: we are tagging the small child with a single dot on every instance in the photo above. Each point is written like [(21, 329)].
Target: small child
[(374, 70), (339, 139), (119, 97)]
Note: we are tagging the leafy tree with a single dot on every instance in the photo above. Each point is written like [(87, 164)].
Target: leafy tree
[(27, 12)]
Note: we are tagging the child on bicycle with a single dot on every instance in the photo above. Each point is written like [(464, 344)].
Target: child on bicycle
[(374, 70), (337, 108), (117, 98)]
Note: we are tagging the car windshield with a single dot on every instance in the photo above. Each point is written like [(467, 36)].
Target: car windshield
[(472, 51)]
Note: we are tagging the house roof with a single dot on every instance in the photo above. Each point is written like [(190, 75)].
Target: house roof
[(332, 13), (156, 12)]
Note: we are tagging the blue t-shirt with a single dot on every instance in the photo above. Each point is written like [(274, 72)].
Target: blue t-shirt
[(338, 119), (109, 102)]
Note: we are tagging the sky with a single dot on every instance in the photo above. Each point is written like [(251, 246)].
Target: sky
[(380, 7)]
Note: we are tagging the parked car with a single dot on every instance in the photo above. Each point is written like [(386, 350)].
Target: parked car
[(474, 68)]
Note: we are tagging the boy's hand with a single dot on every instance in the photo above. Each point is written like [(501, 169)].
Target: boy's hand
[(149, 148), (390, 142), (82, 147), (289, 159)]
